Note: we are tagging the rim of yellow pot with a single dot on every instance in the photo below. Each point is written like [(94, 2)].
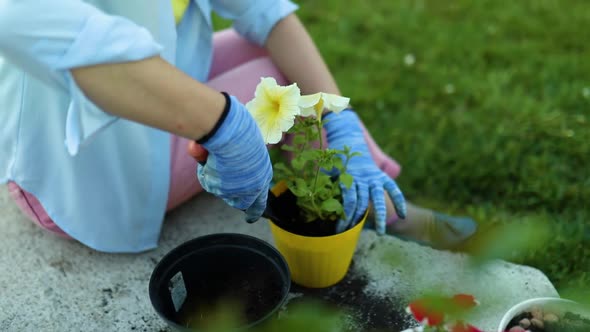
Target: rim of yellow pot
[(281, 187), (324, 237)]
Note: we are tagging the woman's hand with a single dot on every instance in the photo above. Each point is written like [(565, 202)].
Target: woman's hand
[(233, 161), (370, 183)]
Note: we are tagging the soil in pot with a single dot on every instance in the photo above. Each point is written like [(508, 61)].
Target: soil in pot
[(251, 287), (538, 320), (285, 213)]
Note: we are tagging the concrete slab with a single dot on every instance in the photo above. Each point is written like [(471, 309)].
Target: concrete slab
[(51, 284)]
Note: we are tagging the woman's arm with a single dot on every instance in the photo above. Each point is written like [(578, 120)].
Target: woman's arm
[(112, 60), (154, 93), (298, 58)]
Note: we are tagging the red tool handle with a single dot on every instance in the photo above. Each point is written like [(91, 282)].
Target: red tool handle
[(198, 152)]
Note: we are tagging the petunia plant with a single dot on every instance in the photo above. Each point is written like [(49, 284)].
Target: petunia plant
[(314, 173)]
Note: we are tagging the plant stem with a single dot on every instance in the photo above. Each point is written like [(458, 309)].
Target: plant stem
[(321, 141), (345, 167), (319, 127), (317, 168)]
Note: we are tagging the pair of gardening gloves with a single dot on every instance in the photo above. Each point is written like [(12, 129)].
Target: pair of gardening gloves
[(239, 171)]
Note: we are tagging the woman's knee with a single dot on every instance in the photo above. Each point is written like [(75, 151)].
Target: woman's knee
[(241, 81), (231, 50), (32, 208)]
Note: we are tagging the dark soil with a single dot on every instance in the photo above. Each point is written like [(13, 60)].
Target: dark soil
[(284, 212), (250, 285), (368, 313), (570, 322)]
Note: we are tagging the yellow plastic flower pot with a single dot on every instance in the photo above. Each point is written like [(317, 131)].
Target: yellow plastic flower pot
[(320, 261)]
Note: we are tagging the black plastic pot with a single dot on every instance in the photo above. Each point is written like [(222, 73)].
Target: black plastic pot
[(197, 277)]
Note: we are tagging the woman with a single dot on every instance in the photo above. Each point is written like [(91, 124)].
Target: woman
[(119, 83)]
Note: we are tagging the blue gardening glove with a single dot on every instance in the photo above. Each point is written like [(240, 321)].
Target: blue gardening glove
[(344, 129), (238, 167)]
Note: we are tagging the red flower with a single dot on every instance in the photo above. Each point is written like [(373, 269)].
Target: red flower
[(431, 310), (423, 312), (465, 301)]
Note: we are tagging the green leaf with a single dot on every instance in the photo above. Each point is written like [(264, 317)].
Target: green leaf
[(346, 179), (298, 162), (326, 163), (311, 155), (331, 205), (281, 167), (299, 140), (338, 163), (286, 147), (299, 188), (355, 154), (282, 171)]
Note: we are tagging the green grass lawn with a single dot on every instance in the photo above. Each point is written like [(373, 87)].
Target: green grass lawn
[(486, 104), (490, 119)]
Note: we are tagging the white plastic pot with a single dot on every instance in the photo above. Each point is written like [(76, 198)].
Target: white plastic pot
[(560, 305)]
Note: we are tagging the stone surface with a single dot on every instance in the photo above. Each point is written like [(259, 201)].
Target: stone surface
[(51, 284)]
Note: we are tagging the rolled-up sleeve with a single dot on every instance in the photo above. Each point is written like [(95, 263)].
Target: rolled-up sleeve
[(49, 38), (254, 19)]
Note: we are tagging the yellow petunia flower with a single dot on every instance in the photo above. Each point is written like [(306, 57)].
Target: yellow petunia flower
[(314, 105), (274, 108)]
